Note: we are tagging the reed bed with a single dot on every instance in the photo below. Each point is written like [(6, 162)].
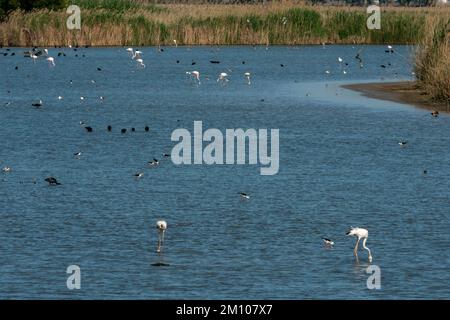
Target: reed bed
[(433, 60), (138, 23)]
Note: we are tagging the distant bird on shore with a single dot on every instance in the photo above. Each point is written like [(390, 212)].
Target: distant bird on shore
[(244, 195), (435, 113), (52, 181), (161, 225), (328, 242), (360, 233), (34, 57)]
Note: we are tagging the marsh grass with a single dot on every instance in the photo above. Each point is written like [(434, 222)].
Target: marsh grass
[(128, 22), (433, 59)]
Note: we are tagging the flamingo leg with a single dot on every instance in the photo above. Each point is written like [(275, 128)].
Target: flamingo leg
[(356, 248), (160, 241)]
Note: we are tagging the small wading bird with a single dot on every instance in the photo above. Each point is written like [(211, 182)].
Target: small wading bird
[(52, 181), (161, 225), (360, 233), (138, 175), (244, 195), (37, 104)]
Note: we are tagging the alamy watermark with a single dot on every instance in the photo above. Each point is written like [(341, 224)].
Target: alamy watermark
[(235, 147), (74, 20), (374, 20), (374, 280), (74, 280)]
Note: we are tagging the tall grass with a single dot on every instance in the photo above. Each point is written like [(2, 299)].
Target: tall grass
[(133, 22), (433, 59)]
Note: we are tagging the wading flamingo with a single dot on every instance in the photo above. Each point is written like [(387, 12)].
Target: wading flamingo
[(161, 225), (360, 233)]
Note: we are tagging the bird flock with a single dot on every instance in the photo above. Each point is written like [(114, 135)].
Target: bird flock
[(223, 79)]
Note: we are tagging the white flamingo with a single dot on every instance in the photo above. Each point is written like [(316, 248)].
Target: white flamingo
[(194, 74), (140, 63), (51, 61), (223, 77), (137, 55), (161, 225), (360, 233), (130, 52), (247, 76)]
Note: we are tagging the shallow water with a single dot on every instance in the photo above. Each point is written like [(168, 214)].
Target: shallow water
[(340, 166)]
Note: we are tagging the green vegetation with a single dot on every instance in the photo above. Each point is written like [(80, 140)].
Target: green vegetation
[(433, 60)]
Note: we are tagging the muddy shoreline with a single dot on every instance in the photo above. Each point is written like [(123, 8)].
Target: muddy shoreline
[(403, 92)]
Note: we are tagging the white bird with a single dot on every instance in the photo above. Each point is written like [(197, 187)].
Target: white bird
[(175, 41), (60, 98), (360, 233), (77, 154), (34, 57), (247, 76), (138, 175), (328, 242), (51, 61), (223, 77), (327, 71), (130, 52), (403, 143), (161, 225), (46, 52), (244, 195), (340, 60), (140, 63), (137, 55), (153, 162), (194, 74), (6, 169)]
